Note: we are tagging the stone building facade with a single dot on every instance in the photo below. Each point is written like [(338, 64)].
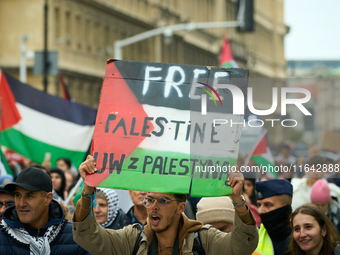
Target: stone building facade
[(83, 33)]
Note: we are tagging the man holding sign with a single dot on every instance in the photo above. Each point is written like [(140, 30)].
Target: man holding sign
[(168, 230)]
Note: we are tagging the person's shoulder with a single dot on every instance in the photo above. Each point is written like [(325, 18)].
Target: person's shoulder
[(297, 183), (65, 236), (7, 240), (120, 220), (130, 210), (66, 226), (67, 223), (205, 230), (64, 243), (122, 216), (121, 212), (134, 226), (333, 187), (129, 228)]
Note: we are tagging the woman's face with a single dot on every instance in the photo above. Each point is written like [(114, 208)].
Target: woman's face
[(62, 165), (101, 210), (56, 181), (248, 188), (69, 180), (307, 233)]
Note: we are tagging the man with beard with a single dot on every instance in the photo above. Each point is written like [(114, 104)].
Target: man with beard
[(168, 230), (274, 199)]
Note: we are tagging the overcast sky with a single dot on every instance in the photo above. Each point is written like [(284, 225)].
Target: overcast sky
[(314, 29)]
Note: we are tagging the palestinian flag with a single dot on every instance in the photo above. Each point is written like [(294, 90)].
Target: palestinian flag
[(34, 123), (4, 167), (150, 133), (262, 156), (226, 56)]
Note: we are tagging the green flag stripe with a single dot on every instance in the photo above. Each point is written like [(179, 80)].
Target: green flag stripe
[(261, 161), (5, 163), (35, 150), (149, 171)]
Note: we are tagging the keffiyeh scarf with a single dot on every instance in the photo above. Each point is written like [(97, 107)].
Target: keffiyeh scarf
[(113, 204), (38, 245)]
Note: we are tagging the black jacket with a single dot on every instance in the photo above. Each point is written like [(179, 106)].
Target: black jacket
[(120, 220), (62, 244)]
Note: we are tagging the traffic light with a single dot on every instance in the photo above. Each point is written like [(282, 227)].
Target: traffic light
[(245, 13)]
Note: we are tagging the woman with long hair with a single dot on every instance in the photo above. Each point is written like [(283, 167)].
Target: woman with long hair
[(58, 182), (312, 232)]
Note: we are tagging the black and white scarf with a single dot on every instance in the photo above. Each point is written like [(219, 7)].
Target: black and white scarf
[(38, 245), (113, 204)]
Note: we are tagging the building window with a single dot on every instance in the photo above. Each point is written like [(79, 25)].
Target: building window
[(88, 35), (98, 38), (68, 28), (79, 31), (107, 42), (57, 24)]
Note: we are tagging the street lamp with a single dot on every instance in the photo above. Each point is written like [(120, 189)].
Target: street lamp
[(169, 30)]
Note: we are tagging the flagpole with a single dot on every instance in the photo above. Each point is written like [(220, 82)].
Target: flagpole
[(253, 149), (74, 190)]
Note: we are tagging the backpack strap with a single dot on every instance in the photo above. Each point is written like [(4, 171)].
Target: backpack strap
[(197, 248), (140, 237)]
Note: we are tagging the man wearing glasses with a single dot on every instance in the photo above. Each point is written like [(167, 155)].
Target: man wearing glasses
[(168, 230), (6, 200)]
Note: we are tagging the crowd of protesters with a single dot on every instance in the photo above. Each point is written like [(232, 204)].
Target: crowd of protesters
[(296, 212)]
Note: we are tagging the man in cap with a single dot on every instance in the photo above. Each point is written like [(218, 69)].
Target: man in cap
[(274, 199), (6, 199), (36, 224)]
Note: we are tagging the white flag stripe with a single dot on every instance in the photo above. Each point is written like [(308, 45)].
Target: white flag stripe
[(227, 146), (53, 131)]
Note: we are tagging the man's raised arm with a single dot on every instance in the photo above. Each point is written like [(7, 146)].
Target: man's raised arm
[(83, 207)]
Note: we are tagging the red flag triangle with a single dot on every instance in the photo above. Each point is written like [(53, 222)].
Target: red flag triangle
[(126, 108), (226, 54), (10, 114), (261, 148)]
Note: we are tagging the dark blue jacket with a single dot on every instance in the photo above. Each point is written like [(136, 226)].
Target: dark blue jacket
[(62, 244), (120, 221)]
